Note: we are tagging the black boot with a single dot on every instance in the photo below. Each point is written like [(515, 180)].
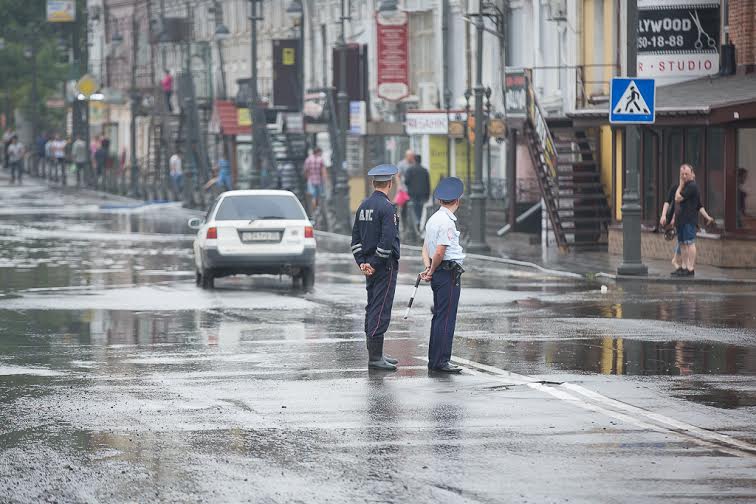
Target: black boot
[(375, 355)]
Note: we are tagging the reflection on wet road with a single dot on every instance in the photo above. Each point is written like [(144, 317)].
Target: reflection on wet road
[(121, 381)]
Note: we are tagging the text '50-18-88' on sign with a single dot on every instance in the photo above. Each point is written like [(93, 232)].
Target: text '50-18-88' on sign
[(678, 39)]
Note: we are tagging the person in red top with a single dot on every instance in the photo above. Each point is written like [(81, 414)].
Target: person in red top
[(314, 170), (167, 85)]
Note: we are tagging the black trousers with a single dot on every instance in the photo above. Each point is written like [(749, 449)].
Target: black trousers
[(381, 287), (16, 171), (446, 286)]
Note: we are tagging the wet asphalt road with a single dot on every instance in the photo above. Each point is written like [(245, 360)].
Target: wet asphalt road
[(120, 381)]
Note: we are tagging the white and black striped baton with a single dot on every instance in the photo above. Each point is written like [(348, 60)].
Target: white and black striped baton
[(412, 298)]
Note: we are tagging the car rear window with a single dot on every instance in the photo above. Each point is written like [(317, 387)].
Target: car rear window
[(254, 207)]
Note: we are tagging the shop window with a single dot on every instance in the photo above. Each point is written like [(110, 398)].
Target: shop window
[(673, 139), (694, 144), (650, 180), (745, 203), (714, 170), (423, 64)]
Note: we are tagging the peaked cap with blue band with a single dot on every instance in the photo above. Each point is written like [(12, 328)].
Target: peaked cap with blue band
[(449, 189), (383, 173)]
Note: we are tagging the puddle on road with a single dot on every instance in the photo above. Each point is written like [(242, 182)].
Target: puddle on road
[(618, 356), (732, 397)]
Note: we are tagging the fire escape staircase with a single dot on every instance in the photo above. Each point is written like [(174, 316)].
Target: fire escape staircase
[(569, 178)]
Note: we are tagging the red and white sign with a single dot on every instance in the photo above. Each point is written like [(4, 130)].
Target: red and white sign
[(431, 122), (393, 55), (678, 65)]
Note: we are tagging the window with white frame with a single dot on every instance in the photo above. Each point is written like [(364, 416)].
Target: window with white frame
[(421, 49)]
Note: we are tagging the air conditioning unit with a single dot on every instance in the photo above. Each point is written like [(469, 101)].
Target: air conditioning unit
[(428, 95), (557, 10)]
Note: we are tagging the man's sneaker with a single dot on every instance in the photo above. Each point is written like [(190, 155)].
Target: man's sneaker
[(679, 272)]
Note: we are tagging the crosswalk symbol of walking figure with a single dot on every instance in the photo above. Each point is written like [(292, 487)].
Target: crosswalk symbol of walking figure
[(632, 101)]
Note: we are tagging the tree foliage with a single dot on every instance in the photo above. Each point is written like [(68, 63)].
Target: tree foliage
[(26, 32)]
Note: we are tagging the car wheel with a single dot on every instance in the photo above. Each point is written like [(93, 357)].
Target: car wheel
[(308, 278), (208, 280)]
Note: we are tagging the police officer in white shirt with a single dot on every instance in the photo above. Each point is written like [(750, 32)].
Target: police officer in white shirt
[(443, 258)]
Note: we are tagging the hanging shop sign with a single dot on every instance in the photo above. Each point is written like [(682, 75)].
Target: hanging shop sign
[(61, 11), (393, 55), (678, 38), (516, 92), (426, 123)]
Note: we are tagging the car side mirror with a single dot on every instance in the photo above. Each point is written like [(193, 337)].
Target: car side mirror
[(194, 223)]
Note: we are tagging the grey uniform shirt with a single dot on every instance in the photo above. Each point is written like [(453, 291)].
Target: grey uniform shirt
[(441, 229)]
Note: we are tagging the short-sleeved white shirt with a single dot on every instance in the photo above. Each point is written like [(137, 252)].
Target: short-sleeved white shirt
[(175, 165), (441, 229)]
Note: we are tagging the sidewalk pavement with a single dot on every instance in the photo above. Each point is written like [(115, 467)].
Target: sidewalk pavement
[(516, 250), (601, 264)]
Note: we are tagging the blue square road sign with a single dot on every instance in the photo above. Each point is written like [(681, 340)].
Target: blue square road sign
[(632, 101)]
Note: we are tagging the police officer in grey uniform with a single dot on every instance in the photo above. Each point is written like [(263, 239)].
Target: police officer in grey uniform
[(443, 257), (375, 246)]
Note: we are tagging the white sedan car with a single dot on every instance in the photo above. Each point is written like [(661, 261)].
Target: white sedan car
[(254, 232)]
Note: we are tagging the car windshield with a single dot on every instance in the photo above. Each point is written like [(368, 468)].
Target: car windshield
[(256, 207)]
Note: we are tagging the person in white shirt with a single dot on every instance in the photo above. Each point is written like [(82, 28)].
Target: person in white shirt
[(15, 159), (443, 257), (59, 153), (177, 174), (80, 156)]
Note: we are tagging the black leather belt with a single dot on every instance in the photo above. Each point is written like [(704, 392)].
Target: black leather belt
[(451, 265)]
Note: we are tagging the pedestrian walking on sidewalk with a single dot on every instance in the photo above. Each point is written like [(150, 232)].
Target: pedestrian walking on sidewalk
[(49, 158), (177, 173), (375, 246), (7, 136), (224, 174), (443, 257), (167, 85), (315, 173), (16, 159), (101, 160), (39, 155), (417, 181), (687, 202), (80, 156), (59, 155), (669, 218)]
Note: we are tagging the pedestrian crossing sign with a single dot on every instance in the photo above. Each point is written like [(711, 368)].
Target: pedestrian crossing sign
[(632, 101)]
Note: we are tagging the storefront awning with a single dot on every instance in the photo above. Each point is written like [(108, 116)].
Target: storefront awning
[(228, 120), (718, 98)]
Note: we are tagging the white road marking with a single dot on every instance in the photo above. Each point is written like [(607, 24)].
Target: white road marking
[(632, 414)]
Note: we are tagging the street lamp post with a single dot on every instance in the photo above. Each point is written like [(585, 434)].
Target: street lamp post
[(468, 171), (488, 143), (341, 187), (254, 173), (447, 103), (221, 33), (134, 95), (631, 209), (296, 12), (478, 196)]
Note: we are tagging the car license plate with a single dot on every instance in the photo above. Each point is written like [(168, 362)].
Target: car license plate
[(261, 236)]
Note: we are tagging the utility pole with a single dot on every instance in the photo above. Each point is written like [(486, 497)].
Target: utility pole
[(341, 187), (631, 209), (134, 191), (254, 173), (478, 196), (34, 90), (447, 90)]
